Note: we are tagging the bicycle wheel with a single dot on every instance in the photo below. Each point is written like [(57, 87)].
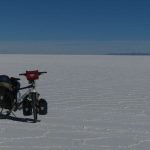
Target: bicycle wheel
[(34, 106)]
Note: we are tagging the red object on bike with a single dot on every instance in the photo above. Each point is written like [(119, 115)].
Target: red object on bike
[(32, 75)]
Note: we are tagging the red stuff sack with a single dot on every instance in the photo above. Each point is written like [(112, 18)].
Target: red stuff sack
[(32, 75)]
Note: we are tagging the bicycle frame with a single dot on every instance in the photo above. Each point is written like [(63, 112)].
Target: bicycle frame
[(31, 89)]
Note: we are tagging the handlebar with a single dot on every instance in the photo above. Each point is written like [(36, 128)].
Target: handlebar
[(39, 73), (42, 72), (32, 75), (22, 74)]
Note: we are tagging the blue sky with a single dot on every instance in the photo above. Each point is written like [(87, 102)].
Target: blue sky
[(74, 26)]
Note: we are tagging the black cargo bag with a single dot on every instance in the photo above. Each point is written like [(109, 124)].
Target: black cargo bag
[(6, 92)]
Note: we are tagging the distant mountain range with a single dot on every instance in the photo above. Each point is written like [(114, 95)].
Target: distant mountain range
[(128, 53), (74, 53)]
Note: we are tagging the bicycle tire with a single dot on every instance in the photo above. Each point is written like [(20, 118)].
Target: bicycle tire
[(34, 107)]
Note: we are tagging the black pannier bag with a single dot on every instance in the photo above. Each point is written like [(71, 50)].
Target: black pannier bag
[(5, 81), (6, 92), (15, 86), (15, 83)]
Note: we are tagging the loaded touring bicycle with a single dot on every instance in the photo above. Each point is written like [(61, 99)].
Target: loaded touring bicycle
[(30, 102)]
